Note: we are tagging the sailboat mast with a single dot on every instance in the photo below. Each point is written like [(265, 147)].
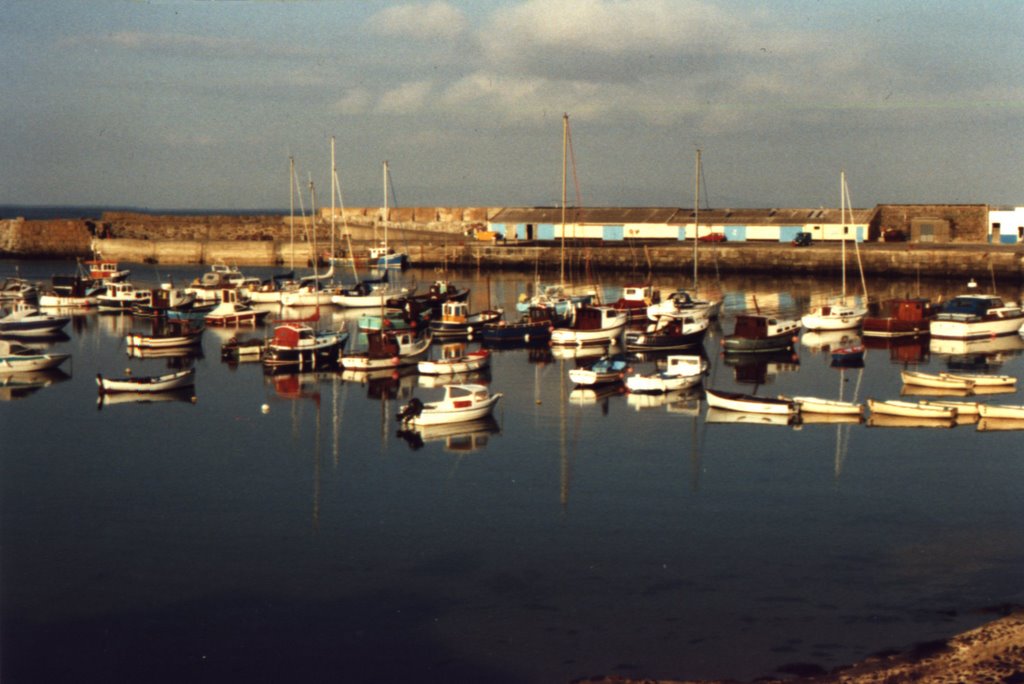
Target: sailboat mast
[(565, 142), (291, 205), (842, 221), (334, 176), (696, 219), (385, 211)]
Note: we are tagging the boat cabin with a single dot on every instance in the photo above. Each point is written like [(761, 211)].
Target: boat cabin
[(684, 364), (596, 318), (645, 294), (970, 306), (755, 327), (911, 310), (454, 312), (292, 335)]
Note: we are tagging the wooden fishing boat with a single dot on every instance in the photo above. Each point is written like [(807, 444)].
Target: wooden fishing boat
[(635, 299), (231, 311), (826, 406), (147, 383), (682, 371), (162, 299), (982, 379), (592, 325), (300, 345), (457, 321), (26, 320), (668, 333), (976, 317), (907, 317), (456, 365), (174, 334), (884, 420), (966, 411), (606, 369), (387, 350), (748, 403), (210, 286), (761, 333), (1015, 412), (936, 380), (17, 358), (460, 403), (106, 270), (122, 296), (534, 327), (911, 409), (75, 291)]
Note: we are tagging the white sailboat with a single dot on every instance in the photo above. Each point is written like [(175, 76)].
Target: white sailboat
[(840, 315)]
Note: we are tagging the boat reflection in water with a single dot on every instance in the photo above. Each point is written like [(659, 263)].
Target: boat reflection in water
[(182, 395), (463, 437), (759, 369), (386, 383), (722, 416), (686, 401), (889, 421), (20, 385)]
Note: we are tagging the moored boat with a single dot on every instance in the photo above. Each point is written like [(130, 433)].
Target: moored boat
[(456, 320), (172, 334), (534, 327), (761, 333), (122, 296), (387, 350), (606, 369), (460, 403), (911, 409), (748, 403), (456, 365), (28, 321), (936, 380), (635, 299), (682, 371), (17, 358), (1015, 412), (907, 317), (592, 325), (681, 303), (975, 317), (298, 344), (232, 311), (982, 379), (668, 333), (827, 406), (146, 383)]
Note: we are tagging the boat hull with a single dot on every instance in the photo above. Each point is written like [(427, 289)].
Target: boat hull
[(734, 401), (159, 383)]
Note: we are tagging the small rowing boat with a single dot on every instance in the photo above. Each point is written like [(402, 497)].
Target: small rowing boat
[(911, 409), (146, 383), (936, 380), (748, 403)]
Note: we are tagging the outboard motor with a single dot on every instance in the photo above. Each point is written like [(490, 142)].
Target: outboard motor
[(411, 410)]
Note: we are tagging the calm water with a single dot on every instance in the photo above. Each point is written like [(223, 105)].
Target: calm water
[(179, 541)]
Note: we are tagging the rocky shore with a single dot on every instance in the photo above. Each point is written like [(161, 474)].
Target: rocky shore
[(990, 654)]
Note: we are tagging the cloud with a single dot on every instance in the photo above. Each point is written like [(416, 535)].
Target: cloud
[(189, 45), (353, 101), (408, 98), (419, 20)]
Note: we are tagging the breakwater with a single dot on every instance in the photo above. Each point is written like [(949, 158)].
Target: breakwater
[(274, 241)]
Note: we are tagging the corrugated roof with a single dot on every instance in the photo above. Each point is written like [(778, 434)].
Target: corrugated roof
[(675, 216)]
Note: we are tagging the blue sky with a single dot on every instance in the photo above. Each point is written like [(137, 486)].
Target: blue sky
[(196, 105)]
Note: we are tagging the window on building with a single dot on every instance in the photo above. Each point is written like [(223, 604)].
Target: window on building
[(927, 232)]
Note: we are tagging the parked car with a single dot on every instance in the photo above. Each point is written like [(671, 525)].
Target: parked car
[(713, 237), (802, 240)]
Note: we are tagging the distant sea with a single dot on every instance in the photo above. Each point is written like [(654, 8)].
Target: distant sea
[(47, 212)]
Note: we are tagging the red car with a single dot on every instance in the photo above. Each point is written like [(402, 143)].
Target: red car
[(713, 237)]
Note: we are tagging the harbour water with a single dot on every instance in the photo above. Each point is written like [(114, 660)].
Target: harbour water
[(574, 535)]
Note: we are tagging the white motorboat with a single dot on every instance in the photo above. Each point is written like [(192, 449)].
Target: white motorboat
[(976, 317), (836, 316), (232, 311), (681, 303), (465, 363), (17, 358), (27, 321), (592, 325), (210, 286), (460, 403), (682, 371)]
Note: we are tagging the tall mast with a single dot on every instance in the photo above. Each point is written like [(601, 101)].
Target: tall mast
[(334, 176), (696, 219), (842, 221), (385, 211), (565, 142), (291, 205)]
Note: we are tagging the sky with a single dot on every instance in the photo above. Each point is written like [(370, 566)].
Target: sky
[(200, 105)]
